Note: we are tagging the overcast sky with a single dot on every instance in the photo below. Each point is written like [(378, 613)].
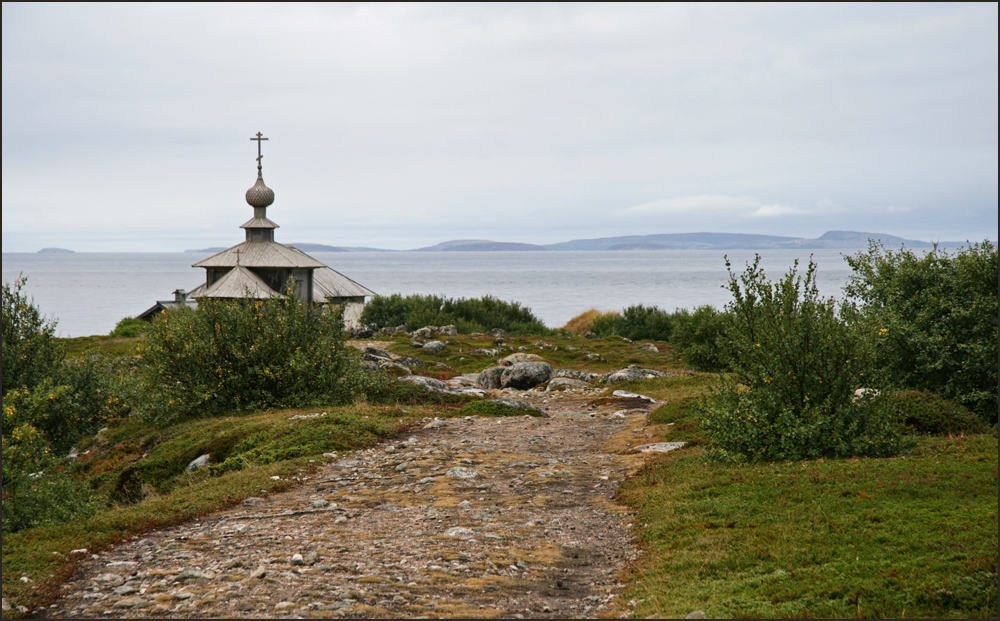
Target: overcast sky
[(126, 127)]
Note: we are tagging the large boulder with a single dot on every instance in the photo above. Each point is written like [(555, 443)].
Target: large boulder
[(490, 378), (513, 359), (525, 375), (448, 330), (434, 347)]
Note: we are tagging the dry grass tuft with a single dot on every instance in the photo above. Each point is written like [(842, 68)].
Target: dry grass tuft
[(580, 325)]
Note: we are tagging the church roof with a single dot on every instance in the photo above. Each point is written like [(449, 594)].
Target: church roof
[(261, 254), (239, 283), (329, 283)]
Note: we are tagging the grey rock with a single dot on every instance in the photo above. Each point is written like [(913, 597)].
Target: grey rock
[(114, 579), (695, 614), (260, 572), (376, 353), (525, 375), (437, 423), (125, 590), (253, 500), (410, 361), (298, 560), (426, 332), (631, 372), (574, 374), (562, 383), (497, 332), (199, 463), (319, 503), (649, 347), (434, 347), (458, 531), (658, 447), (631, 395), (416, 343), (427, 382), (490, 378), (448, 330), (461, 472)]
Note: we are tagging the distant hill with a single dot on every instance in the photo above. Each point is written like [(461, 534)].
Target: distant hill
[(732, 241), (478, 245), (55, 251)]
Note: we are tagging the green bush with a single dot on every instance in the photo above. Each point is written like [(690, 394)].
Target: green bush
[(924, 412), (696, 338), (635, 323), (938, 312), (493, 409), (35, 489), (130, 327), (795, 368), (30, 352), (467, 315), (239, 355)]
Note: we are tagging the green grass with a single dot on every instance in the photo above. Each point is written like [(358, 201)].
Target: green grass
[(912, 536)]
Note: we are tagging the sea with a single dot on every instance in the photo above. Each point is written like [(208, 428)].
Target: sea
[(88, 293)]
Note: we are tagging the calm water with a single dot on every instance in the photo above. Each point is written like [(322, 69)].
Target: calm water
[(87, 293)]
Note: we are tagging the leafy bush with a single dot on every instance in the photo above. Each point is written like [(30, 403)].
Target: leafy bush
[(48, 404), (926, 413), (233, 355), (130, 327), (696, 337), (635, 323), (30, 353), (795, 368), (467, 315), (939, 316)]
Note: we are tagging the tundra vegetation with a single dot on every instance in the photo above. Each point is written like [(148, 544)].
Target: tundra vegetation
[(791, 498)]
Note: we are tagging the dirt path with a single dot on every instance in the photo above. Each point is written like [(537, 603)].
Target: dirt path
[(478, 517)]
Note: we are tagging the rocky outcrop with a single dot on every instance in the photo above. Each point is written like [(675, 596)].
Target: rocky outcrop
[(632, 372)]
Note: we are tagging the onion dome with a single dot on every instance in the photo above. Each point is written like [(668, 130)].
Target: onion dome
[(260, 195)]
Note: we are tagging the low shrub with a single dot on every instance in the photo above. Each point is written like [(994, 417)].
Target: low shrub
[(467, 315), (130, 327), (635, 322), (697, 338), (492, 408), (924, 412), (241, 355), (939, 315), (795, 366)]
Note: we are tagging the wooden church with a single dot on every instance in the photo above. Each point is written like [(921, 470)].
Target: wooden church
[(260, 267)]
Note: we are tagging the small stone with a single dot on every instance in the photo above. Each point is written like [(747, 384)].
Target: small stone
[(458, 531), (284, 605), (460, 472), (125, 590), (319, 503), (259, 573), (297, 559), (253, 500), (697, 614), (197, 464)]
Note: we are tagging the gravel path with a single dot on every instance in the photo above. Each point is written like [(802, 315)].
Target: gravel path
[(477, 517)]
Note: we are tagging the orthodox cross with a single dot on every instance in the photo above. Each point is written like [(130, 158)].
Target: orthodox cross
[(259, 156)]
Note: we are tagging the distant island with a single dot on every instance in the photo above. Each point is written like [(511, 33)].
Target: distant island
[(304, 247), (55, 251)]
